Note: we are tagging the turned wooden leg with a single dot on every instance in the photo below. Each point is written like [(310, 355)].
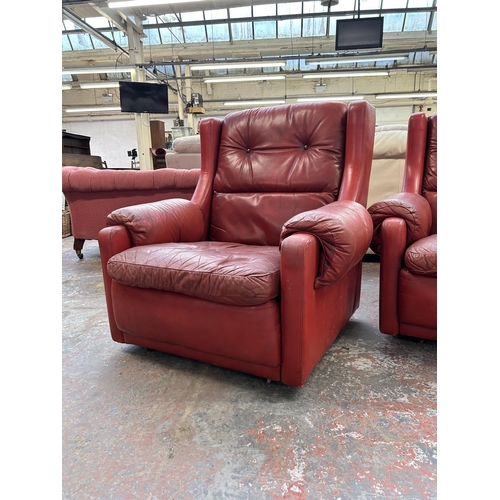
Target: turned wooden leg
[(77, 247)]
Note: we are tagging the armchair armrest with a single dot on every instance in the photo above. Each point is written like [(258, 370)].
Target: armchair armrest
[(413, 208), (344, 230), (160, 222)]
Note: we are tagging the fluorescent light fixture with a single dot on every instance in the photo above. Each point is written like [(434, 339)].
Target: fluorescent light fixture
[(98, 69), (344, 74), (409, 95), (357, 59), (66, 86), (331, 98), (254, 103), (96, 108), (200, 67), (141, 3), (99, 85), (244, 79)]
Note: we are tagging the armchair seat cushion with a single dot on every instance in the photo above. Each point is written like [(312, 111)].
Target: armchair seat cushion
[(421, 256), (227, 273)]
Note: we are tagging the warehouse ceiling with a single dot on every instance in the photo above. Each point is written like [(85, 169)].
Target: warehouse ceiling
[(164, 43)]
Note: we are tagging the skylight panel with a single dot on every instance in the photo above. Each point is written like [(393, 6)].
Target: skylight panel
[(434, 22), (417, 21), (290, 28), (168, 18), (192, 16), (218, 33), (97, 43), (165, 70), (194, 34), (70, 25), (240, 12), (215, 14), (80, 41), (264, 10), (65, 43), (289, 8), (242, 31), (393, 23), (171, 35), (314, 26), (264, 29), (312, 7), (152, 37), (120, 38)]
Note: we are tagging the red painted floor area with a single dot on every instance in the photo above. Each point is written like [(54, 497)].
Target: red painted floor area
[(146, 425)]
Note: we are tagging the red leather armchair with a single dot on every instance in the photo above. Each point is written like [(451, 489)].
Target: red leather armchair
[(405, 237), (261, 269)]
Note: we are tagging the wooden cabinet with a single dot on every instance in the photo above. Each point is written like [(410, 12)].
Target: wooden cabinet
[(158, 140), (157, 134), (75, 143)]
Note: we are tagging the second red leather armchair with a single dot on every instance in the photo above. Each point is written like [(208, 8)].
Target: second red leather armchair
[(405, 237)]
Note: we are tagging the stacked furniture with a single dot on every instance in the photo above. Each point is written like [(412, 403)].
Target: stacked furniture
[(261, 270)]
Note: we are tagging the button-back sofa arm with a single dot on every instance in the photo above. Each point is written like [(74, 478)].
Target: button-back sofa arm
[(344, 231), (164, 221), (413, 208)]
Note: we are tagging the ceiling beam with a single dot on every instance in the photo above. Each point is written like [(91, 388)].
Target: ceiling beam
[(92, 31)]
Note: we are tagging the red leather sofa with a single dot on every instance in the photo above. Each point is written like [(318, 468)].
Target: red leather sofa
[(405, 237), (261, 270), (92, 194)]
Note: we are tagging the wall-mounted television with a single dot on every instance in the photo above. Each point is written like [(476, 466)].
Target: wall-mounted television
[(361, 33), (142, 97)]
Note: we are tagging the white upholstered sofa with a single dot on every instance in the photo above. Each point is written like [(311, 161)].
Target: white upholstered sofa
[(186, 153)]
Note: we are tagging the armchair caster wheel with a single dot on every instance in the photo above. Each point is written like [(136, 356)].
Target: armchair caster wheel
[(79, 253)]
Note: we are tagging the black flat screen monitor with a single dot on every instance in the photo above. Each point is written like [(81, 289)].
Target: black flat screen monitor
[(362, 33), (141, 97)]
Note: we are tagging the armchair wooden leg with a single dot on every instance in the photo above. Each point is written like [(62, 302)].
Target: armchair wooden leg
[(77, 247)]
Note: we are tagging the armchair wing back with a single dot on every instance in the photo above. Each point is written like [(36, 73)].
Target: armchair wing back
[(261, 270), (405, 237), (429, 188)]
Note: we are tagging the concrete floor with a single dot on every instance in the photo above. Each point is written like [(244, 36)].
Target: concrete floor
[(146, 425)]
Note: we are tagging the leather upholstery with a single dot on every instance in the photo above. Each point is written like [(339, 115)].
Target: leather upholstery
[(229, 273), (261, 270), (405, 237)]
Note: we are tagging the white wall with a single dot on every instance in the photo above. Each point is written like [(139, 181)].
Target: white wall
[(395, 115), (111, 139)]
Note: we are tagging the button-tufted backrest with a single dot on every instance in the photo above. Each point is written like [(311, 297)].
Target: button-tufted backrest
[(429, 185), (274, 163)]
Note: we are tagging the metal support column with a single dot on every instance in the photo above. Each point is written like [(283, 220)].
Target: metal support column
[(180, 102), (189, 92), (142, 125)]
